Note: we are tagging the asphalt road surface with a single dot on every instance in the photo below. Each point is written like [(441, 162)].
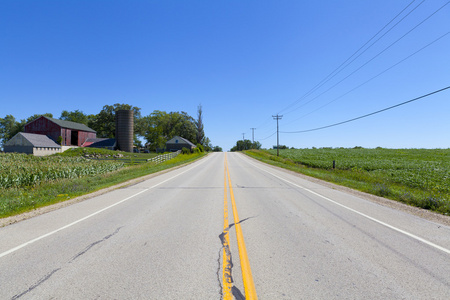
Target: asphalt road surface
[(190, 234)]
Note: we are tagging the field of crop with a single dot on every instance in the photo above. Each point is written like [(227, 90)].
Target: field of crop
[(21, 170), (420, 177), (28, 182)]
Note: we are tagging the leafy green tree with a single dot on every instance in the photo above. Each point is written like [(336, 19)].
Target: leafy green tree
[(105, 121), (160, 126), (207, 144), (246, 145), (7, 128), (75, 116)]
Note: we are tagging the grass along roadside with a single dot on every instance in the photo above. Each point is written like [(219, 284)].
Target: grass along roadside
[(18, 200), (417, 177)]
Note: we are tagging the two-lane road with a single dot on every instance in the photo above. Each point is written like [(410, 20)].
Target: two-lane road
[(164, 238)]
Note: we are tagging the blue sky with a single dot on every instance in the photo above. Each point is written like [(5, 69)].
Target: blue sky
[(243, 61)]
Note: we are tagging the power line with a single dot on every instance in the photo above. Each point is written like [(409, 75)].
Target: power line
[(370, 60), (379, 74), (373, 113), (268, 136), (384, 50), (337, 71)]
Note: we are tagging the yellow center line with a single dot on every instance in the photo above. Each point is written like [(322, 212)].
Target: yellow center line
[(227, 280), (249, 286)]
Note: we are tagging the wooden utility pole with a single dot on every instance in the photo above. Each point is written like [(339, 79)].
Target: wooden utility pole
[(253, 134), (277, 117)]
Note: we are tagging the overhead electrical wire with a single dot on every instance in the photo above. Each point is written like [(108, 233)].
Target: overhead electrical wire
[(370, 60), (268, 136), (347, 62), (370, 114), (337, 71), (372, 78)]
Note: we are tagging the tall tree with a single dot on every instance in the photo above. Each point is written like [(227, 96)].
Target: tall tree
[(7, 128), (246, 145), (199, 126), (74, 116), (160, 126), (104, 122)]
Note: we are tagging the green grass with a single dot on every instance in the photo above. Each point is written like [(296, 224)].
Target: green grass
[(105, 154), (19, 199), (419, 177)]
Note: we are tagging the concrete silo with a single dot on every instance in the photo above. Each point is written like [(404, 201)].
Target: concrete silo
[(124, 130)]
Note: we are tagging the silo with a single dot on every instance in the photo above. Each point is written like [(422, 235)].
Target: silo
[(124, 130)]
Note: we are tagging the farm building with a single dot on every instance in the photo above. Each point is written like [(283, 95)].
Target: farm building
[(104, 143), (177, 143), (30, 143), (72, 133)]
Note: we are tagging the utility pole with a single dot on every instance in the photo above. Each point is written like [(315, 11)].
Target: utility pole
[(277, 117), (243, 136), (253, 134)]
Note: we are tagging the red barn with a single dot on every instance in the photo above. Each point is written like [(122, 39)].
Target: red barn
[(72, 133)]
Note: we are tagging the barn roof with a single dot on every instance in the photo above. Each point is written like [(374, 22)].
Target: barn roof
[(179, 140), (70, 125), (32, 139), (99, 142)]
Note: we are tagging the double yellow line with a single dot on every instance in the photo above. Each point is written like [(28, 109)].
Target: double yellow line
[(249, 286)]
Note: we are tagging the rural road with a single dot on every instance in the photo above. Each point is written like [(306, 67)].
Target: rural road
[(164, 238)]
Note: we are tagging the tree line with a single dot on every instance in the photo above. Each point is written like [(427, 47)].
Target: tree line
[(245, 145), (156, 129)]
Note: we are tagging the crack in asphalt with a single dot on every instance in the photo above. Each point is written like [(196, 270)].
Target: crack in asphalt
[(46, 277), (229, 263), (40, 281), (95, 243)]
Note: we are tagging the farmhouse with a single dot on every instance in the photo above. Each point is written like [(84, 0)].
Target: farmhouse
[(30, 143), (71, 133), (178, 143)]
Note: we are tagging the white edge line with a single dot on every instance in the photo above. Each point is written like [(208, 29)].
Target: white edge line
[(359, 213), (91, 215)]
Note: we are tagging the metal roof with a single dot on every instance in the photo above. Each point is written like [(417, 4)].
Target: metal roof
[(100, 142), (182, 141), (70, 125), (36, 140)]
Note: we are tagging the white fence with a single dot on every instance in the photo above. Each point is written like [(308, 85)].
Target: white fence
[(162, 158)]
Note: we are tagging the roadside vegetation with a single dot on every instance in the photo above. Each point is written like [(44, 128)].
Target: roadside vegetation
[(418, 177), (28, 182)]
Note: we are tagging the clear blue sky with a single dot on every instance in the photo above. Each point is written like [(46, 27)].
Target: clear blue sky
[(243, 61)]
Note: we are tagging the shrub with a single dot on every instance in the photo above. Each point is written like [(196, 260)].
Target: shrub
[(200, 148)]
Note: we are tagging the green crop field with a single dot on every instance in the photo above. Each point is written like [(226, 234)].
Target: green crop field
[(21, 170), (419, 177), (28, 182)]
